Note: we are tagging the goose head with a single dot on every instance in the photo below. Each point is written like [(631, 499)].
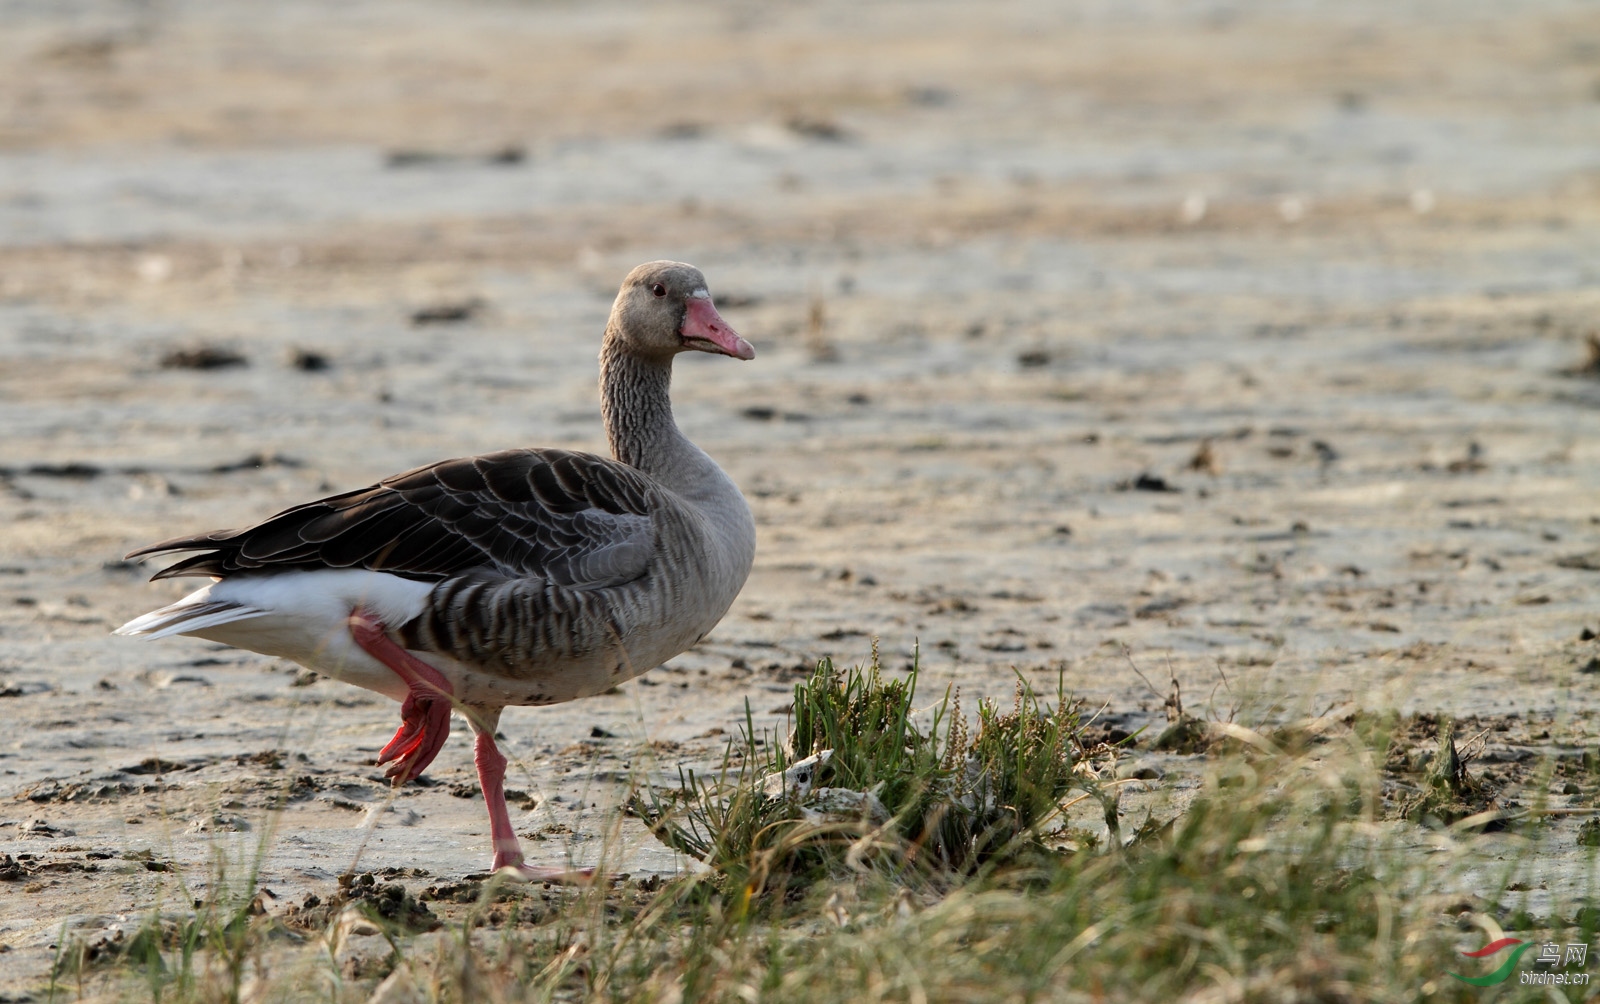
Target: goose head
[(664, 308)]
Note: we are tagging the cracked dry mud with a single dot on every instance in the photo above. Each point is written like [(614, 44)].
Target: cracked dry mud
[(1248, 346)]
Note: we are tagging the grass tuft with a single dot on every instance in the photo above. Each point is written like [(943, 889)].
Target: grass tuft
[(861, 784), (1449, 792)]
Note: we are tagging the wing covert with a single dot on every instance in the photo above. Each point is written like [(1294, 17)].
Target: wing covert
[(573, 519)]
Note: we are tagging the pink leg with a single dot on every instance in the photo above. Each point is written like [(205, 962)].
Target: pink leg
[(491, 778), (425, 713)]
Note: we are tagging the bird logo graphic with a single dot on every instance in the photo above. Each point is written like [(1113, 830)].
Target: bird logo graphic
[(1501, 974)]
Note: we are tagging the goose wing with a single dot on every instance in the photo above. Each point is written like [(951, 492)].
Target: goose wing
[(572, 519)]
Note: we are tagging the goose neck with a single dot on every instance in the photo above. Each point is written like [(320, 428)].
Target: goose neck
[(636, 406)]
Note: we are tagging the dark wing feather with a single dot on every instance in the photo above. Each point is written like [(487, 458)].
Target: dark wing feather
[(573, 519)]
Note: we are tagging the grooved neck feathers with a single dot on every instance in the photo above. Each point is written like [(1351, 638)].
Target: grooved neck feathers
[(636, 406)]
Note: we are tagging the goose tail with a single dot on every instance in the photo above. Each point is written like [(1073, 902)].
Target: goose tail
[(188, 615)]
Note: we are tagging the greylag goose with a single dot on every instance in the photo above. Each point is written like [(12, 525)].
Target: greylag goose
[(524, 577)]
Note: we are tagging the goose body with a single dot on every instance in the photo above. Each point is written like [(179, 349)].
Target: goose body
[(521, 577)]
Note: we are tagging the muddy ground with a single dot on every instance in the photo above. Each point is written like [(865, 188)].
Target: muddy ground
[(1244, 345)]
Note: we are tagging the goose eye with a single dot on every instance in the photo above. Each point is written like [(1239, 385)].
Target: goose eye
[(659, 289)]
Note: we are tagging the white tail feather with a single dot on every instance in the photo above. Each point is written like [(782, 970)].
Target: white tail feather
[(185, 617)]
